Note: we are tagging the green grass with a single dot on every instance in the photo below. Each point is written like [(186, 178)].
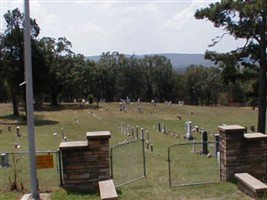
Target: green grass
[(186, 166)]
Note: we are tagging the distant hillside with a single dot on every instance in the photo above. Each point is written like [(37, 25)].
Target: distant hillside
[(179, 60)]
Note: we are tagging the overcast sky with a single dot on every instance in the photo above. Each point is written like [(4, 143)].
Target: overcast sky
[(129, 27)]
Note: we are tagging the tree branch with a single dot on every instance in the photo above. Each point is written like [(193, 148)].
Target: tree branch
[(217, 39)]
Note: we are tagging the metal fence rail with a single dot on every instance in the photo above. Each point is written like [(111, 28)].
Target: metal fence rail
[(128, 162), (15, 171), (188, 164)]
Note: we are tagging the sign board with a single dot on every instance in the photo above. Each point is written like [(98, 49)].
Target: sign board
[(44, 161)]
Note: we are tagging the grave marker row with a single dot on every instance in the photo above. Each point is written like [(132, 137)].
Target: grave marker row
[(134, 132), (204, 144)]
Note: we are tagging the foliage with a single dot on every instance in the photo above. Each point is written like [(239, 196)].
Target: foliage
[(91, 99), (244, 20), (159, 76), (12, 49), (204, 85)]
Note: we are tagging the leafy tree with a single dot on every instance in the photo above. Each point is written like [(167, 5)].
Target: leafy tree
[(246, 19), (58, 57), (130, 79), (203, 84), (179, 88), (211, 85), (89, 79), (159, 75), (108, 66), (3, 91), (40, 71), (81, 79), (100, 80), (12, 49)]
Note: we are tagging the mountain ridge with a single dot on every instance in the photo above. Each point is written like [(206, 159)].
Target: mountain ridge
[(178, 60)]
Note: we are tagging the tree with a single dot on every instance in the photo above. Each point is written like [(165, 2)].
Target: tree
[(159, 76), (203, 84), (130, 80), (245, 19), (3, 90), (81, 78), (40, 73), (108, 66), (12, 49), (179, 88), (58, 57)]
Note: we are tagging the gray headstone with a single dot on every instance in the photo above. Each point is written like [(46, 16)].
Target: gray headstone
[(159, 128), (4, 160), (204, 139)]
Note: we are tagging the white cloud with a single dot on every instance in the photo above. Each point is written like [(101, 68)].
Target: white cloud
[(47, 21), (180, 19), (92, 27), (146, 10), (130, 27)]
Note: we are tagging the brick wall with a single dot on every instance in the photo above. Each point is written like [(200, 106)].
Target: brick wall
[(85, 163), (240, 152)]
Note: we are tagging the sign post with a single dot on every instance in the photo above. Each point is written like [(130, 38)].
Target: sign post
[(29, 101)]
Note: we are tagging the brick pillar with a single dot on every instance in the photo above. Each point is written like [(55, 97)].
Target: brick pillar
[(256, 154), (242, 152), (231, 151), (85, 163)]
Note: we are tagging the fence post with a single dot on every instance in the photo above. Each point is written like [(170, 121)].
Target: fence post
[(217, 145), (60, 167), (169, 164), (143, 146)]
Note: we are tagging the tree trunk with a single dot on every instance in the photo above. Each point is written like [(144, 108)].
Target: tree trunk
[(262, 78), (262, 99), (14, 101), (54, 96)]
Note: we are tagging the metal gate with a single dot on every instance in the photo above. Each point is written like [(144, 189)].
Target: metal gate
[(128, 162), (193, 163)]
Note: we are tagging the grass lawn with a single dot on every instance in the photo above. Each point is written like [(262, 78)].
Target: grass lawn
[(186, 166)]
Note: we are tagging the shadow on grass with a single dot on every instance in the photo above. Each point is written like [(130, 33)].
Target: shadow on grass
[(22, 119), (45, 122), (13, 120), (66, 106), (10, 120)]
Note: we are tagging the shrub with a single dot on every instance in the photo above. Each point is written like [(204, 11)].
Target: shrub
[(91, 98)]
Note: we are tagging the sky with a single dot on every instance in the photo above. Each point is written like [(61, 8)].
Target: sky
[(129, 27)]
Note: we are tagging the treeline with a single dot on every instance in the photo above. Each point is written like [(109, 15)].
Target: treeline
[(61, 75)]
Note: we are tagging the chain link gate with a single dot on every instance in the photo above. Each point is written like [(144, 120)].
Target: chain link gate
[(189, 165), (14, 171), (128, 162)]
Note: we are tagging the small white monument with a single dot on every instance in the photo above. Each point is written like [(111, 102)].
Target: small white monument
[(188, 127)]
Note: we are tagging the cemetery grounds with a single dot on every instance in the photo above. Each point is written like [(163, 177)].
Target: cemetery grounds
[(73, 122)]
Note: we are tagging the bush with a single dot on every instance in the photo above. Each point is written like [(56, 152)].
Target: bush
[(91, 98)]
